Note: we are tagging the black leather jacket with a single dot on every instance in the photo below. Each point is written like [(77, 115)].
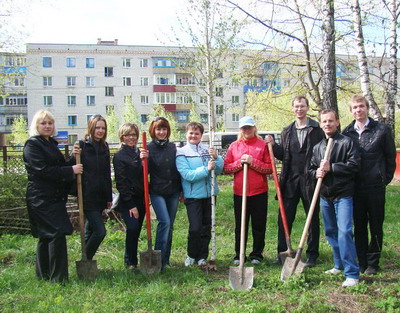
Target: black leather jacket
[(378, 154), (129, 177), (164, 177), (49, 175), (344, 161), (282, 152), (96, 177)]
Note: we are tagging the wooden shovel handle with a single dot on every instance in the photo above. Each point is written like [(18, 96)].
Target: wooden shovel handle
[(80, 206), (243, 219)]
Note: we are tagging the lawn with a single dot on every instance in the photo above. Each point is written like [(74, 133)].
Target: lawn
[(180, 289)]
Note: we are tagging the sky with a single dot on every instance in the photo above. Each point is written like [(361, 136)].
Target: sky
[(134, 22)]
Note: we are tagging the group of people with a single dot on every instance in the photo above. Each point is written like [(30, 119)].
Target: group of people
[(361, 164)]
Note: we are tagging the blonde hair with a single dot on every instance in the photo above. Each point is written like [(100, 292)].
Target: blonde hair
[(241, 136), (126, 128), (40, 116)]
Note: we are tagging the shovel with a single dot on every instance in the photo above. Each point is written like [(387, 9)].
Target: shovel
[(241, 278), (289, 252), (86, 269), (295, 265), (150, 260)]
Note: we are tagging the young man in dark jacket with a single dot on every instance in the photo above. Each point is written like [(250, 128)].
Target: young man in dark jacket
[(336, 201), (378, 162), (297, 142)]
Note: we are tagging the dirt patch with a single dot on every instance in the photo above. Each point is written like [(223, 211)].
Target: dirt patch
[(345, 302)]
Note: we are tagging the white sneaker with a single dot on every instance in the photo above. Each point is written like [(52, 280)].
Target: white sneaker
[(350, 282), (189, 261), (201, 262), (255, 261), (333, 271), (236, 262)]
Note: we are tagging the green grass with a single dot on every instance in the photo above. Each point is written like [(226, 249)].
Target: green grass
[(180, 289)]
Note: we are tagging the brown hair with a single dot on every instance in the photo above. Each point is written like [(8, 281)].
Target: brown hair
[(299, 98), (159, 122), (195, 126), (92, 127), (126, 128), (326, 111), (358, 98)]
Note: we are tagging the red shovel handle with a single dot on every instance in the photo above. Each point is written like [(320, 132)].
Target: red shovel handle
[(146, 188), (278, 191)]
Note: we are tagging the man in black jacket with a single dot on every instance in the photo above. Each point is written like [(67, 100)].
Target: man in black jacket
[(378, 163), (338, 173), (297, 142)]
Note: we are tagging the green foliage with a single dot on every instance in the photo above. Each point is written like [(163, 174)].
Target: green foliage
[(19, 131), (112, 126), (130, 114), (158, 110)]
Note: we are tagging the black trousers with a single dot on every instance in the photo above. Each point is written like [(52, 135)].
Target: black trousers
[(314, 232), (199, 215), (256, 209), (369, 209), (95, 231), (52, 259)]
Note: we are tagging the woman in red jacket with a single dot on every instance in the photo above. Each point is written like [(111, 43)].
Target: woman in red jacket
[(251, 149)]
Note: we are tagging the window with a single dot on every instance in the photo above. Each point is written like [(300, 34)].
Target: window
[(144, 62), (18, 82), (185, 80), (109, 91), (219, 73), (235, 99), (108, 71), (110, 109), (126, 63), (204, 118), (72, 120), (89, 62), (203, 99), (128, 99), (165, 97), (91, 100), (47, 62), (144, 118), (182, 116), (47, 81), (144, 81), (89, 81), (71, 81), (163, 62), (184, 98), (164, 79), (202, 82), (10, 120), (14, 100), (219, 91), (127, 81), (235, 117), (72, 138), (71, 100), (235, 83), (71, 62), (144, 99), (219, 109), (48, 100)]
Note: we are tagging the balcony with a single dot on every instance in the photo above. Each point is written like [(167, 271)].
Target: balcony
[(14, 109), (276, 89)]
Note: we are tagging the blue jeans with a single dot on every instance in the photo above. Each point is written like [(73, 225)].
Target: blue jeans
[(95, 231), (338, 221), (165, 208)]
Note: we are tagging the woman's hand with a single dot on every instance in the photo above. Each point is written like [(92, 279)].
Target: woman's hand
[(246, 158), (76, 149), (109, 205), (269, 139), (78, 169), (211, 165), (144, 153), (134, 213), (213, 153), (320, 173)]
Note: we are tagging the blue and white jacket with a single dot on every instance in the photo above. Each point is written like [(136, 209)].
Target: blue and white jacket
[(191, 162)]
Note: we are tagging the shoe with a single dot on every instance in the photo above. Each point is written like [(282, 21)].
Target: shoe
[(201, 262), (131, 267), (277, 261), (362, 269), (310, 262), (350, 282), (236, 262), (255, 261), (371, 271), (189, 261), (333, 271)]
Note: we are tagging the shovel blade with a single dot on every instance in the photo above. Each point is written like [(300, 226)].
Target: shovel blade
[(150, 261), (86, 269), (292, 266), (241, 278)]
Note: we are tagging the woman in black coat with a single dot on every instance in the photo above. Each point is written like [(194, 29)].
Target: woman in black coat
[(96, 181), (49, 178), (129, 179)]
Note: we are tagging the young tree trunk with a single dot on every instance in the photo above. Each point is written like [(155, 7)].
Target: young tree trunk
[(363, 63), (329, 95)]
